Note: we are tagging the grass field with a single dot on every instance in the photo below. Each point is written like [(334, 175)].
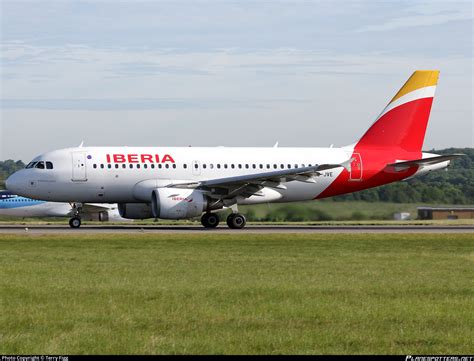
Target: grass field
[(264, 294)]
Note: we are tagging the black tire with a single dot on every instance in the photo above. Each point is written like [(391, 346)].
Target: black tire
[(236, 221), (229, 220), (75, 222), (210, 220)]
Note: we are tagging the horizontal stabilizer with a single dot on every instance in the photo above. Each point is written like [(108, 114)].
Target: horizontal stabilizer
[(424, 161)]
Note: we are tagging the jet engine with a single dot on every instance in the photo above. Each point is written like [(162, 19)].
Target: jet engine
[(174, 203), (135, 210)]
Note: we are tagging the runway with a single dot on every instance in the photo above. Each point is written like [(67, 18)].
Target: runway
[(257, 229)]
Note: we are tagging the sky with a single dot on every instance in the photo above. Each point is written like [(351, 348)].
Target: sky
[(225, 73)]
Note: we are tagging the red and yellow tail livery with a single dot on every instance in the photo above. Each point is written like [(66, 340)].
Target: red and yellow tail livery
[(403, 122)]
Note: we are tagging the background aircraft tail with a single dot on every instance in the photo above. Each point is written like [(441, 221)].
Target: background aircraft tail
[(403, 122)]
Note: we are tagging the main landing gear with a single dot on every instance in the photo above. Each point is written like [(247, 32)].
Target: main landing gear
[(210, 220), (234, 220)]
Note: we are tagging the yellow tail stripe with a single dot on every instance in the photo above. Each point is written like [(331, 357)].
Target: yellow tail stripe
[(419, 79)]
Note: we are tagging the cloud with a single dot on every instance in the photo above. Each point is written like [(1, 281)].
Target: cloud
[(424, 14)]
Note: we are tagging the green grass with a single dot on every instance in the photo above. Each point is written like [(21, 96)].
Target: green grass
[(221, 294)]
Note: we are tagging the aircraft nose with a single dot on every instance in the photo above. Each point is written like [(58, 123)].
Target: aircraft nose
[(13, 183)]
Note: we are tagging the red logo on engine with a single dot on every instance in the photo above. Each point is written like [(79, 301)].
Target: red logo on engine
[(185, 199)]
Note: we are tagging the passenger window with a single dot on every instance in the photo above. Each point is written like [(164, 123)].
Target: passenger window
[(282, 166), (289, 166), (152, 166), (185, 166), (240, 166), (232, 166), (211, 166), (204, 166), (145, 166), (116, 166), (225, 166), (131, 166), (268, 166), (94, 166), (174, 166), (124, 166), (102, 166), (138, 166), (167, 166), (218, 166), (109, 166), (160, 166)]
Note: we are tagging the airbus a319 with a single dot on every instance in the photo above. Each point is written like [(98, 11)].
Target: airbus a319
[(189, 182)]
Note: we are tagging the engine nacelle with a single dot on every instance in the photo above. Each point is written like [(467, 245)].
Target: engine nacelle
[(174, 203), (135, 210)]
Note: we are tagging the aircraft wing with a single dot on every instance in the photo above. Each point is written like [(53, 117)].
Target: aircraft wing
[(424, 161), (250, 184)]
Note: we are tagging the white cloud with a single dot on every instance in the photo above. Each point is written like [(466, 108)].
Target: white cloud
[(425, 14), (298, 97)]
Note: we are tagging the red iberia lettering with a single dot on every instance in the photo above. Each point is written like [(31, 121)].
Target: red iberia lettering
[(167, 158), (119, 158), (147, 158), (138, 158), (133, 158)]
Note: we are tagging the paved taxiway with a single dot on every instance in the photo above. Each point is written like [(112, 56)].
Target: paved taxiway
[(128, 229)]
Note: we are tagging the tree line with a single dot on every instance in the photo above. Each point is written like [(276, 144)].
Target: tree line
[(455, 186)]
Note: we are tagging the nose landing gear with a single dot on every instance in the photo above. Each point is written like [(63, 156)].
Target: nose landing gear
[(75, 221)]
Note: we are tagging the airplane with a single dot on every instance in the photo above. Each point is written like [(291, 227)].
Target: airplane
[(13, 205), (188, 182)]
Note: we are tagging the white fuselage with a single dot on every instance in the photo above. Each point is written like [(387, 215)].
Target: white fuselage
[(128, 174)]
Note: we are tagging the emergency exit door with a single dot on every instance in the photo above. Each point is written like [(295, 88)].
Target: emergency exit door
[(79, 167), (356, 167)]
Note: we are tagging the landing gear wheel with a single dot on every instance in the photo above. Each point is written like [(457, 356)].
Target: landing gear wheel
[(210, 220), (75, 222), (236, 221)]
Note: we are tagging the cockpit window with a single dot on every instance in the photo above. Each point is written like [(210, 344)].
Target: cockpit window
[(31, 165), (39, 165), (49, 165)]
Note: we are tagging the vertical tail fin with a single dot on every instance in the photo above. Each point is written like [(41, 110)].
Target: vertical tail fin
[(403, 122)]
